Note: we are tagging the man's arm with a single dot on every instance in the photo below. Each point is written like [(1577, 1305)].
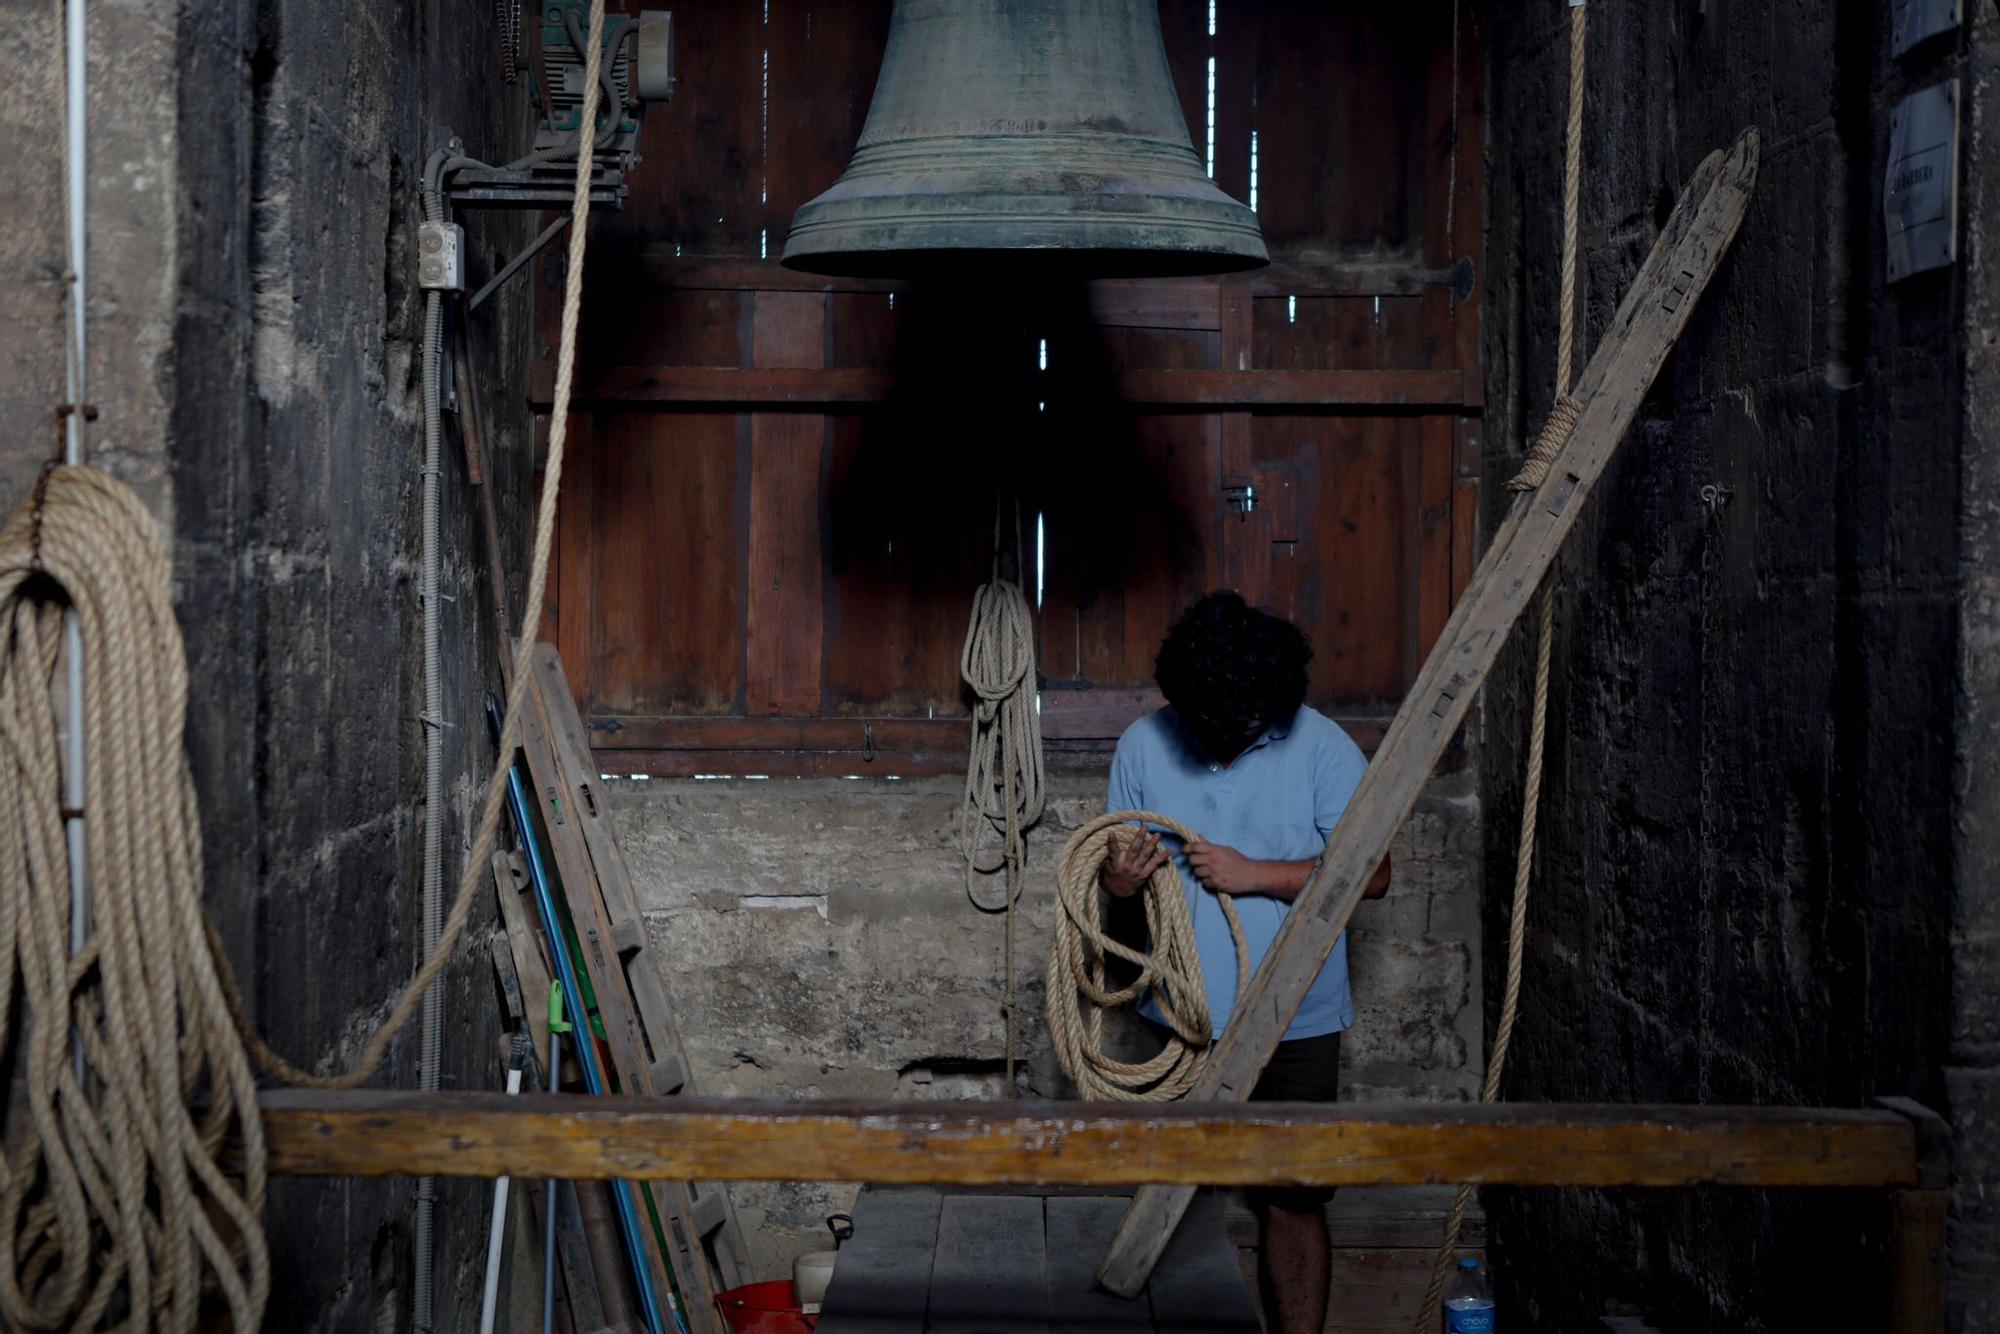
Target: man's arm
[(1226, 871)]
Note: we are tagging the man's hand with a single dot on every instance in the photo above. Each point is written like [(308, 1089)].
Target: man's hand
[(1224, 870), (1129, 862)]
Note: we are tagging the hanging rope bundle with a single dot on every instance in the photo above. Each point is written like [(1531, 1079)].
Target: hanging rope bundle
[(1079, 990), (116, 1207), (1005, 777), (1555, 433)]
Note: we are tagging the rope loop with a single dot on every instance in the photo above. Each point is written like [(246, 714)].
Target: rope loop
[(1078, 986), (1549, 443)]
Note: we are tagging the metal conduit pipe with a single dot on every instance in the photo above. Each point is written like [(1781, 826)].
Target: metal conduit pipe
[(432, 1021)]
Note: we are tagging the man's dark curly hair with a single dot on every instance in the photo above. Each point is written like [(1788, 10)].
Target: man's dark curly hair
[(1230, 666)]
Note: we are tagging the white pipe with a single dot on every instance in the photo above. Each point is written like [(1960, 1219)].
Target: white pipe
[(497, 1233), (74, 386)]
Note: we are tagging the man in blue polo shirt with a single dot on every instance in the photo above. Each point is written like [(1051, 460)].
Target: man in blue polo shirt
[(1262, 780)]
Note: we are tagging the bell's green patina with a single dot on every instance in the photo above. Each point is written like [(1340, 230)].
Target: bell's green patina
[(1045, 130)]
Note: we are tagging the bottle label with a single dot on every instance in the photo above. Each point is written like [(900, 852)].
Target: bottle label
[(1476, 1321)]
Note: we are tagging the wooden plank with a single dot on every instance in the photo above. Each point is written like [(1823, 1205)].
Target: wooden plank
[(1432, 488), (1096, 713), (881, 1282), (1375, 1218), (1067, 715), (386, 1133), (666, 562), (1079, 1227), (990, 1271), (1246, 535), (728, 387), (531, 968), (659, 1046), (1642, 332), (573, 581), (1156, 303), (761, 764), (1198, 1286), (1917, 1261), (784, 626)]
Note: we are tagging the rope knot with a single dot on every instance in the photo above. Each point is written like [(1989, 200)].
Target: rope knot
[(38, 507), (1555, 434)]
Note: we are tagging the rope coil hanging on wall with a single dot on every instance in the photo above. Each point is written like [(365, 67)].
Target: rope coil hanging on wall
[(116, 1207), (1005, 773), (118, 1200)]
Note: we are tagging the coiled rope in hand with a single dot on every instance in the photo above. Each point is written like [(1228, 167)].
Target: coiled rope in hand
[(118, 1195), (1079, 990)]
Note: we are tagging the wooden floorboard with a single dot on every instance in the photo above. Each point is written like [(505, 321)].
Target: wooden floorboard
[(881, 1280), (1079, 1227), (990, 1274), (1198, 1285)]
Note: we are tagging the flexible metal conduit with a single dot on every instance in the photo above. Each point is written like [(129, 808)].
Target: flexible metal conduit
[(432, 1021)]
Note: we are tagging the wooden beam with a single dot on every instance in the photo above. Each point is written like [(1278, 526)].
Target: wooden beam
[(1642, 333), (780, 388), (1067, 715), (311, 1132)]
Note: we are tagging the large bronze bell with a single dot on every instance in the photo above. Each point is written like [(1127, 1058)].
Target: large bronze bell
[(1043, 129)]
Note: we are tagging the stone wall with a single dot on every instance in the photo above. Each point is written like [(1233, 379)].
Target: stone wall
[(298, 430), (818, 941), (1753, 843), (254, 326)]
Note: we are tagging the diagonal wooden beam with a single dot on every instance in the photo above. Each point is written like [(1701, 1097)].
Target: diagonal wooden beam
[(1655, 310)]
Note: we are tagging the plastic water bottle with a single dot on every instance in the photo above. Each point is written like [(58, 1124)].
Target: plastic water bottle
[(1468, 1302)]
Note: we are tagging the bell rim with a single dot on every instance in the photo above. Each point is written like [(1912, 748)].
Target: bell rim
[(1049, 262)]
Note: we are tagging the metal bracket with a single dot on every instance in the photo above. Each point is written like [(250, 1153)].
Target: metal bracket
[(1243, 497), (547, 185)]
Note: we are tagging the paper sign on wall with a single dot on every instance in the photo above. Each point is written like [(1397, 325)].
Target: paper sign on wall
[(1920, 189)]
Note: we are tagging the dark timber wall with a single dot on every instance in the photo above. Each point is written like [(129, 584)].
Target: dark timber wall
[(254, 326), (1753, 843), (297, 431)]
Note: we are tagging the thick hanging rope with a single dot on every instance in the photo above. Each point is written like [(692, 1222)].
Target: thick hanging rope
[(1079, 991), (1554, 434), (1005, 778), (116, 1208)]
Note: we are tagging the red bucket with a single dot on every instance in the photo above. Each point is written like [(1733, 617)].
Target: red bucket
[(764, 1308)]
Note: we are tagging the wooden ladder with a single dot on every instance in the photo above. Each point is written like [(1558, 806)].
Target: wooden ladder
[(704, 1243)]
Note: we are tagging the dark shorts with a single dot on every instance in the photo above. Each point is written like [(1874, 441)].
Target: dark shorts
[(1303, 1070)]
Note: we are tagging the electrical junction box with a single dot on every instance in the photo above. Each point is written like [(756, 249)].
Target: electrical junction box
[(1920, 189), (441, 257)]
